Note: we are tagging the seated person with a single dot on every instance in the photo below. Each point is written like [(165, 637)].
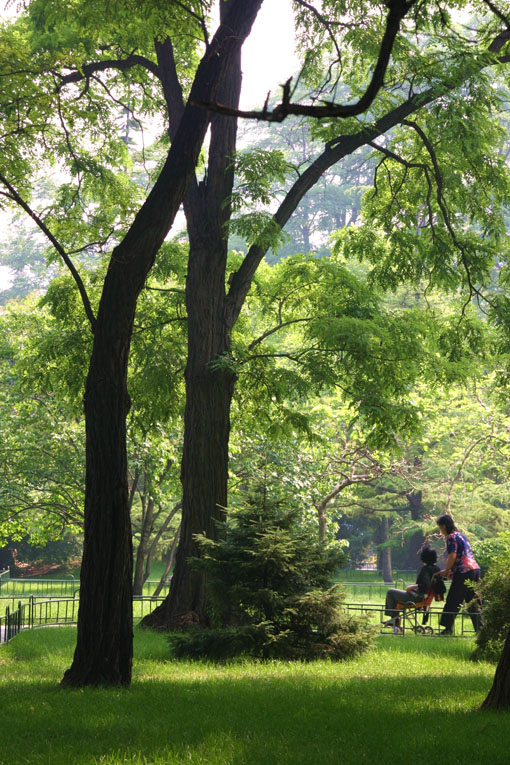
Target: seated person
[(415, 593)]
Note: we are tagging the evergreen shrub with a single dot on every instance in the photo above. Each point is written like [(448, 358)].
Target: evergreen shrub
[(269, 581)]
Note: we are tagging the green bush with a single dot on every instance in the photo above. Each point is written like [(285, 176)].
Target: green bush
[(488, 551), (269, 580), (495, 594)]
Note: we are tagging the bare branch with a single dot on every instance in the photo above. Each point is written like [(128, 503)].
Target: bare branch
[(465, 458), (442, 205), (197, 17), (270, 332)]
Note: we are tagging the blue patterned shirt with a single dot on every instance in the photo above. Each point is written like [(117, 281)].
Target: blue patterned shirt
[(465, 560)]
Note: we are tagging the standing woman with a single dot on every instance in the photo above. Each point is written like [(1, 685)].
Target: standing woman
[(463, 569)]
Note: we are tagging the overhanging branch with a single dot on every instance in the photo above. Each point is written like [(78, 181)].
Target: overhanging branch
[(397, 10), (87, 70), (335, 150)]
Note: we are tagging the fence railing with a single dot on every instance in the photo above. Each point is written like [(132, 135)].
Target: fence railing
[(370, 590), (4, 576), (48, 587), (56, 612), (57, 587), (411, 621), (10, 623), (373, 591), (64, 611)]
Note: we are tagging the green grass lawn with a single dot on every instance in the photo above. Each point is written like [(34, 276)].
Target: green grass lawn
[(410, 700)]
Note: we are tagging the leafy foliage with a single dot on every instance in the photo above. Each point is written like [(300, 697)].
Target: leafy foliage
[(495, 593)]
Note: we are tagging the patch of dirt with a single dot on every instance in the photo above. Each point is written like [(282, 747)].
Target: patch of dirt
[(40, 569)]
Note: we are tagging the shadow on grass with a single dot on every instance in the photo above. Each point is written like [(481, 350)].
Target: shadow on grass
[(248, 713)]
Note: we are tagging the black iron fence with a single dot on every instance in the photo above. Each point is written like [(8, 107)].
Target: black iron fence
[(10, 623), (4, 576), (48, 587), (19, 587), (38, 612), (412, 620), (55, 612)]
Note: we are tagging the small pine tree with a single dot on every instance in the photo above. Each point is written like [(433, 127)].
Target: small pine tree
[(270, 590)]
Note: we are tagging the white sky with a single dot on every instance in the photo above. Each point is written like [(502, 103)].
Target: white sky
[(268, 60), (268, 54)]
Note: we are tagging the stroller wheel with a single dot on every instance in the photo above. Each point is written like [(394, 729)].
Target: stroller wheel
[(419, 630), (428, 630)]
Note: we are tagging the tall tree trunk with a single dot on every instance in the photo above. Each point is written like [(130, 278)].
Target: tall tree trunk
[(103, 654), (204, 472), (385, 551), (209, 377), (499, 694)]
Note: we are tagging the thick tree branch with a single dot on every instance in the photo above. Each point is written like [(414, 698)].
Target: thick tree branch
[(497, 12), (397, 10), (101, 66), (334, 151), (172, 89)]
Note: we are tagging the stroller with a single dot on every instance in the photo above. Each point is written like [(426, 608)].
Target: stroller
[(411, 610)]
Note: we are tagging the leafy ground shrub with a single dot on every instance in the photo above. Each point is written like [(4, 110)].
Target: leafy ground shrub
[(488, 551), (495, 594), (269, 580)]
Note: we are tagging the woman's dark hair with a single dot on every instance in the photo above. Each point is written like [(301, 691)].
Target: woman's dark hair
[(428, 555), (447, 522)]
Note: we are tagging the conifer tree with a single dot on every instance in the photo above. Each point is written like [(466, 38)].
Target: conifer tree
[(270, 589)]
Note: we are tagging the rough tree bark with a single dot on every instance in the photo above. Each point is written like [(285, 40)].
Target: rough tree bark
[(209, 380), (499, 695), (103, 654)]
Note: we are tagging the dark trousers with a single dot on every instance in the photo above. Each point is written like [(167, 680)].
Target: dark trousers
[(400, 596), (461, 592)]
